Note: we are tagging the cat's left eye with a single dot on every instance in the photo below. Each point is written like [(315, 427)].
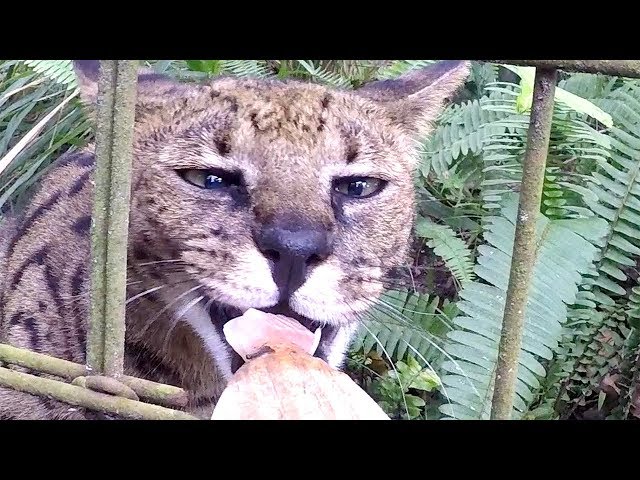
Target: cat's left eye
[(211, 179), (358, 187)]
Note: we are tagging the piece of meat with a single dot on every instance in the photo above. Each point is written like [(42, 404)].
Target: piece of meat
[(251, 331), (281, 380)]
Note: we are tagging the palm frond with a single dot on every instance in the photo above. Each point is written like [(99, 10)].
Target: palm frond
[(39, 117)]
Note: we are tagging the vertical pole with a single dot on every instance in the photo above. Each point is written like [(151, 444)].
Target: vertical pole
[(524, 247), (110, 221)]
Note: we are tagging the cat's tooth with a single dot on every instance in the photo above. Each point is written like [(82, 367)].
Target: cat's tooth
[(316, 340)]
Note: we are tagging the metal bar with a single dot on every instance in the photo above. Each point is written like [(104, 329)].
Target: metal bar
[(83, 397), (158, 393), (114, 138), (524, 247), (623, 68)]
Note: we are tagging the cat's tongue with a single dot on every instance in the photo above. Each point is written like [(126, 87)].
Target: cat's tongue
[(253, 330)]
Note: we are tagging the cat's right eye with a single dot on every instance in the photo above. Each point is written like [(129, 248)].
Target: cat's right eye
[(212, 179)]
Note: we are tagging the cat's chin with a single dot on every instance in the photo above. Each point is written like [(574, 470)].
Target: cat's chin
[(221, 313)]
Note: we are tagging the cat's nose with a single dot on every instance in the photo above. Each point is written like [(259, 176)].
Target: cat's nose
[(293, 249)]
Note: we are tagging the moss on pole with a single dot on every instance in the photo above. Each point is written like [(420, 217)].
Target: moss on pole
[(622, 68), (524, 247), (82, 397), (158, 393), (110, 220)]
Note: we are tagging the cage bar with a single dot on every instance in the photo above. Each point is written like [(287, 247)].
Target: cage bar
[(76, 395), (622, 68), (105, 348), (158, 393), (110, 220), (524, 247)]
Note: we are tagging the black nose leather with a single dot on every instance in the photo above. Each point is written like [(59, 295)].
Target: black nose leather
[(292, 250)]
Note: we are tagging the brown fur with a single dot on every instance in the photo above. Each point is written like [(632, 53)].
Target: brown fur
[(289, 140)]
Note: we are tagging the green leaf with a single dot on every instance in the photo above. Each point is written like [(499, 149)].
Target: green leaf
[(562, 258), (206, 66), (576, 103)]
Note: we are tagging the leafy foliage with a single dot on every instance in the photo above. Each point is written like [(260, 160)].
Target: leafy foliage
[(399, 67), (463, 129), (594, 344), (39, 118), (446, 244), (581, 347), (395, 385), (562, 257), (406, 323), (241, 68), (344, 74), (634, 307), (60, 71)]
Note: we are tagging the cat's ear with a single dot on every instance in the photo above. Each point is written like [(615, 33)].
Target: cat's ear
[(151, 91), (87, 73), (416, 99)]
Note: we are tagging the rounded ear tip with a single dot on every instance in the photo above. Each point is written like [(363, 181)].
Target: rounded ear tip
[(465, 64), (448, 66), (455, 63), (89, 69)]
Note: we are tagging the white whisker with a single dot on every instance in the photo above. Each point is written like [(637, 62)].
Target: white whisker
[(151, 290), (178, 318)]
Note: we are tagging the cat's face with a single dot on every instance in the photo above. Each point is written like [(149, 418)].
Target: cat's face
[(269, 193)]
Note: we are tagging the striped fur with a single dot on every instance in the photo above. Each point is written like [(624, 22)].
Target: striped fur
[(191, 251)]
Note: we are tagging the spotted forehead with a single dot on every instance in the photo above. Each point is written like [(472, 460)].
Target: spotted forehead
[(266, 122)]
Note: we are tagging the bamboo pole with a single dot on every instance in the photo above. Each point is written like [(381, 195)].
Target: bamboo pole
[(524, 247), (110, 220), (158, 393), (82, 397)]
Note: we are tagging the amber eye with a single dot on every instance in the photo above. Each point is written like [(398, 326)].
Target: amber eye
[(358, 187), (211, 179)]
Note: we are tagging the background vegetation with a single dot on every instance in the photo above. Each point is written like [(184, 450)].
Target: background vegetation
[(428, 350)]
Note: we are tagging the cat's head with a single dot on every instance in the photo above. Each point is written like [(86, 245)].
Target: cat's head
[(284, 193)]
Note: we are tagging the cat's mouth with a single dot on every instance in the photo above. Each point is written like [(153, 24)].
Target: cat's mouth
[(221, 314)]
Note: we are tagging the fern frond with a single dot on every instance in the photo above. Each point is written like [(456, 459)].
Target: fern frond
[(624, 105), (633, 309), (482, 74), (562, 257), (616, 198), (406, 323), (322, 74), (611, 193), (60, 71), (588, 85), (604, 306), (399, 67), (447, 245), (246, 68), (463, 129), (571, 138)]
